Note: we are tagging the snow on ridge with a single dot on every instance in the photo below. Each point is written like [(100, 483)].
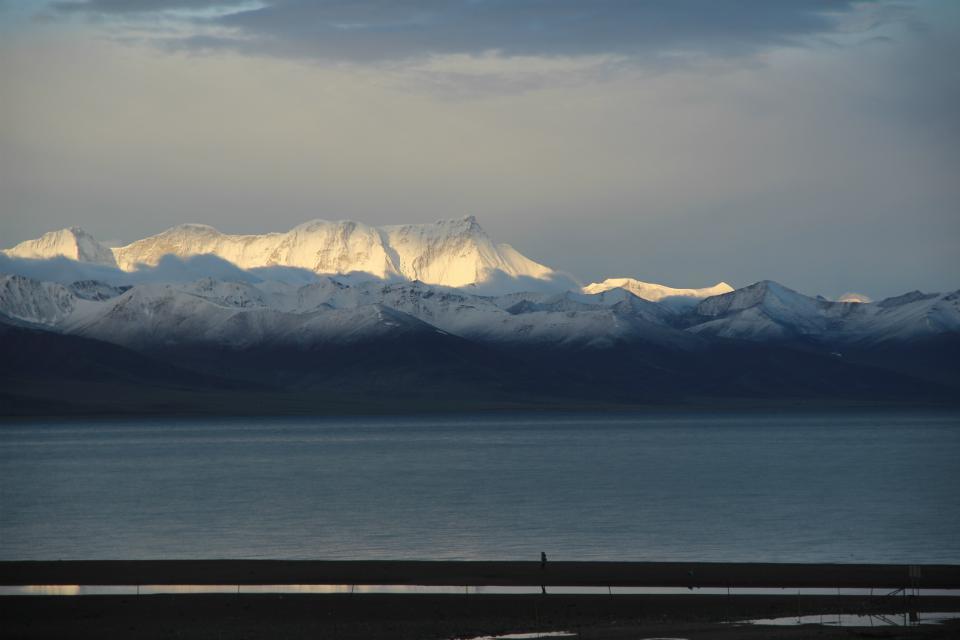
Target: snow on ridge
[(238, 314), (655, 292)]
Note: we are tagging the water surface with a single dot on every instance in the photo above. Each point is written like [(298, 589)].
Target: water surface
[(817, 488)]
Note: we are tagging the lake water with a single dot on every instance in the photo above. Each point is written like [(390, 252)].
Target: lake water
[(843, 488)]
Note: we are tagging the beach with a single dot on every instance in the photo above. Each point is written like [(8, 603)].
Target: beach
[(347, 614), (405, 616)]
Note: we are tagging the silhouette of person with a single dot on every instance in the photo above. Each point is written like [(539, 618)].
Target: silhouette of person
[(543, 566)]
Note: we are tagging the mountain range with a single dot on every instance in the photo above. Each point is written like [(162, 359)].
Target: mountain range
[(342, 316)]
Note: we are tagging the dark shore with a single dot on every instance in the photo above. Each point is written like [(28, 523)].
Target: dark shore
[(350, 616), (426, 617)]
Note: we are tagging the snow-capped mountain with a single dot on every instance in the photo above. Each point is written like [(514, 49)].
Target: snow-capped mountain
[(31, 301), (73, 243), (655, 292), (449, 275), (451, 253), (95, 290), (241, 314), (153, 316), (770, 311), (446, 295), (907, 317), (764, 310)]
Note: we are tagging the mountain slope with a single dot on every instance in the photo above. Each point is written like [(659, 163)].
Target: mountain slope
[(35, 302), (909, 317), (320, 246), (46, 373), (148, 316)]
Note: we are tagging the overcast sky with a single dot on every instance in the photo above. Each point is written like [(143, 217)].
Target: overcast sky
[(813, 142)]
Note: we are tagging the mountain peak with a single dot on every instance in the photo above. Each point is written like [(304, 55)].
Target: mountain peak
[(470, 222), (72, 242), (767, 293)]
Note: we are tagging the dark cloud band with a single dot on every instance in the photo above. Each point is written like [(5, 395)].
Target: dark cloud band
[(370, 30)]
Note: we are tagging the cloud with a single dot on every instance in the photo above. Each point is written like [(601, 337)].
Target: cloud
[(495, 282), (390, 30), (106, 7), (174, 269), (829, 168), (169, 269)]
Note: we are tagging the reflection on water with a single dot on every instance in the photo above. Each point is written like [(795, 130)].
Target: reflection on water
[(80, 590), (46, 590), (528, 636), (747, 488), (850, 620)]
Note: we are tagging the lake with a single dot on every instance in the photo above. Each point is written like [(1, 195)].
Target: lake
[(806, 488)]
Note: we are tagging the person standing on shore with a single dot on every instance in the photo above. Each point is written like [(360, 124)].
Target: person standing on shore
[(543, 567)]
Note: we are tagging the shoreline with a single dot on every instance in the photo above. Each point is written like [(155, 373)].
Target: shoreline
[(438, 617), (748, 408)]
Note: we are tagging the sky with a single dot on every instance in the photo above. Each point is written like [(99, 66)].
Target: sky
[(685, 142)]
